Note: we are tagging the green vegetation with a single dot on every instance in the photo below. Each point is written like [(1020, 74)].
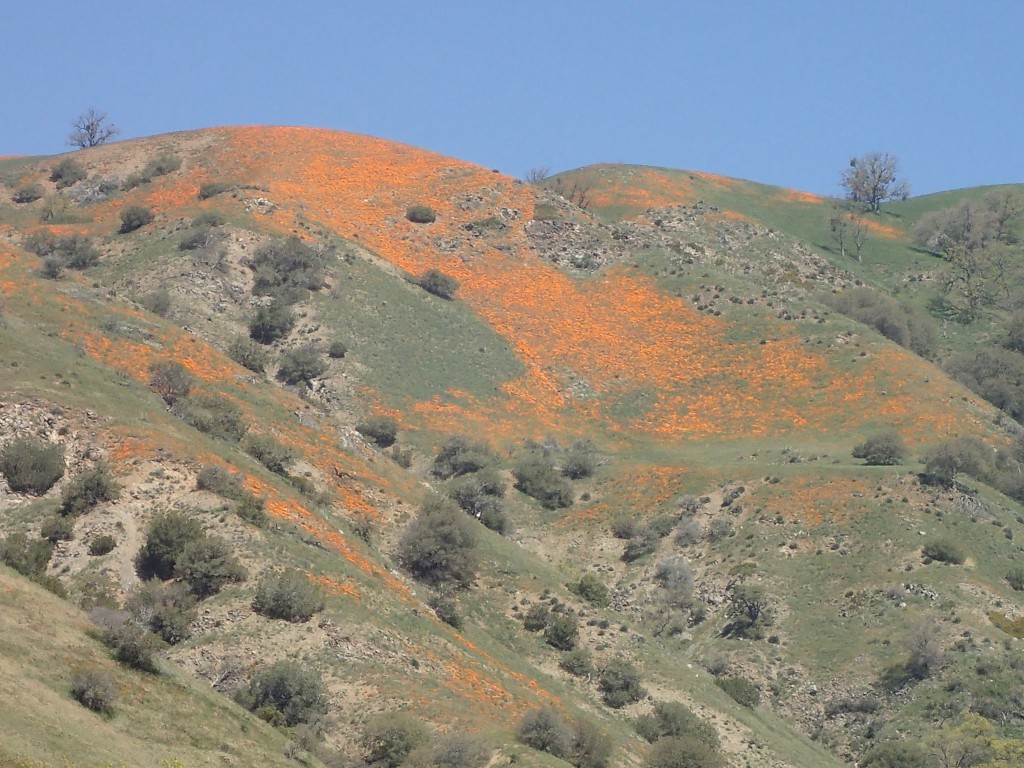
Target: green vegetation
[(380, 429), (438, 283), (420, 214), (270, 323), (286, 693), (439, 547), (135, 217), (300, 365), (882, 449), (289, 595), (67, 172), (30, 465), (536, 476)]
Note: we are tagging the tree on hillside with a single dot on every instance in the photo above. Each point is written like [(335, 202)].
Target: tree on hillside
[(872, 179), (90, 129), (847, 229)]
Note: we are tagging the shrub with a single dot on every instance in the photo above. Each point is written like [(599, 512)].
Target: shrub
[(158, 302), (29, 558), (451, 750), (683, 752), (248, 353), (95, 189), (945, 551), (157, 166), (994, 373), (740, 690), (1015, 578), (289, 595), (459, 456), (439, 547), (640, 546), (300, 366), (592, 589), (675, 719), (135, 217), (577, 662), (209, 219), (626, 527), (28, 193), (944, 462), (479, 496), (270, 453), (294, 690), (562, 631), (749, 611), (74, 251), (580, 460), (168, 535), (380, 429), (896, 321), (536, 618), (388, 738), (57, 528), (537, 477), (95, 690), (896, 754), (219, 480), (883, 449), (446, 608), (545, 730), (438, 283), (337, 350), (676, 579), (287, 270), (171, 380), (102, 545), (271, 323), (67, 172), (213, 415), (214, 188), (619, 684), (132, 645), (199, 239), (591, 746), (420, 214), (87, 489), (207, 565), (252, 509), (165, 608), (720, 528), (31, 465)]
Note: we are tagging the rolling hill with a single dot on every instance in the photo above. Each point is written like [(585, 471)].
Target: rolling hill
[(645, 385)]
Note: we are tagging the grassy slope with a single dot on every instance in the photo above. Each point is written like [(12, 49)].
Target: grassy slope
[(679, 402)]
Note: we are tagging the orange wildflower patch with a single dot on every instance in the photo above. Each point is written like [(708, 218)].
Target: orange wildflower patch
[(880, 229), (795, 196), (335, 587), (814, 501)]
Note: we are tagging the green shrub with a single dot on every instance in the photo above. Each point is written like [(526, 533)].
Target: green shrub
[(619, 683), (459, 456), (102, 545), (300, 365), (271, 322), (562, 631), (199, 239), (675, 719), (207, 565), (750, 611), (165, 608), (896, 754), (168, 535), (158, 302), (213, 415), (451, 750), (720, 528), (439, 546), (57, 528), (95, 690), (288, 595), (74, 251), (882, 449), (683, 752), (158, 166), (270, 453), (294, 690), (248, 353), (479, 495), (382, 430), (577, 662), (214, 188), (28, 193), (134, 217), (29, 558), (640, 546), (897, 321), (209, 219), (438, 283), (537, 618), (388, 738), (626, 527), (287, 270), (219, 480), (337, 350), (946, 461), (537, 477), (945, 551), (420, 214), (1015, 578), (446, 608), (67, 172), (171, 380), (252, 509), (87, 489), (580, 460), (133, 645), (740, 690), (31, 465), (545, 730), (994, 373), (592, 589)]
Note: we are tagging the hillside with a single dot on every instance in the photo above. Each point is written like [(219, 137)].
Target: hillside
[(648, 403)]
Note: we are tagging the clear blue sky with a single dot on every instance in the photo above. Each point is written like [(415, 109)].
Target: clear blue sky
[(774, 91)]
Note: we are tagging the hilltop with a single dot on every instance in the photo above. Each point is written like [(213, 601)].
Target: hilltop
[(645, 386)]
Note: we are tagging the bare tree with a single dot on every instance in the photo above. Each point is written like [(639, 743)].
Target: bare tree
[(872, 179), (91, 128), (537, 175), (847, 228)]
